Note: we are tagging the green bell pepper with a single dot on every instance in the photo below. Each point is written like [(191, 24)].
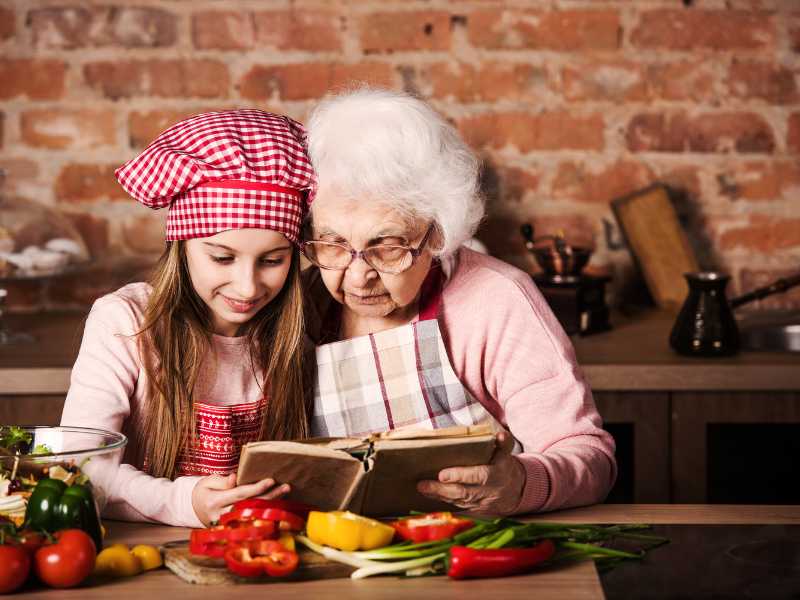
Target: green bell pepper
[(54, 506)]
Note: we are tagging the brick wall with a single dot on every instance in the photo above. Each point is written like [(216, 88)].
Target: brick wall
[(570, 102)]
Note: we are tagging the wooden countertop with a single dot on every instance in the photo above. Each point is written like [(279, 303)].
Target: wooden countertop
[(634, 356), (579, 581)]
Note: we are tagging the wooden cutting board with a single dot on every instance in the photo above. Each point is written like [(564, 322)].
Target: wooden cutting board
[(212, 571)]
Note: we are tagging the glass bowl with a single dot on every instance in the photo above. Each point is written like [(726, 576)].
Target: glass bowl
[(96, 452)]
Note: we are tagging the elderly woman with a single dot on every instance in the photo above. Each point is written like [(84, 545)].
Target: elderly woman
[(416, 330)]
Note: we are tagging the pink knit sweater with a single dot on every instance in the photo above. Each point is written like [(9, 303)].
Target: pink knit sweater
[(510, 352), (505, 346)]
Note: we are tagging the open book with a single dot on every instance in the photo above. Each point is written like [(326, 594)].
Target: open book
[(374, 476)]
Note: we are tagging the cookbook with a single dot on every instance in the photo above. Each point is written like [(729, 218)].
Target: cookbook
[(375, 475)]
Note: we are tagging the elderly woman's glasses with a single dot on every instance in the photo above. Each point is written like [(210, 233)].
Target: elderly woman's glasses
[(385, 258)]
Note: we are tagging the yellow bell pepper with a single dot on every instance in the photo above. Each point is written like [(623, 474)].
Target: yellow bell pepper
[(347, 531)]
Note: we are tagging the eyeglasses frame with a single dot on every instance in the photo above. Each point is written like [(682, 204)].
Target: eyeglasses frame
[(356, 254)]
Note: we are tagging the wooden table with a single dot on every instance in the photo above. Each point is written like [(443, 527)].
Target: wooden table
[(579, 581)]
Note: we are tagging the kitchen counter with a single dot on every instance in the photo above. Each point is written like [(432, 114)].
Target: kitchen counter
[(634, 356), (579, 581)]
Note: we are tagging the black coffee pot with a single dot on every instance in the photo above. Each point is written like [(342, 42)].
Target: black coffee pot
[(705, 325)]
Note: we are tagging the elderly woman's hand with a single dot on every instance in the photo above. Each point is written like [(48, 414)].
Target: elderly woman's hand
[(495, 488)]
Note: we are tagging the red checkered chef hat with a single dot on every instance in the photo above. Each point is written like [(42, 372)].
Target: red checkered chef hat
[(216, 171)]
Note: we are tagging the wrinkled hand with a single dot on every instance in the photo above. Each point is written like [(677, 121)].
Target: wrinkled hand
[(495, 488), (213, 495)]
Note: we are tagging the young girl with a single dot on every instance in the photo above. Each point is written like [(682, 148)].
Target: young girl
[(208, 355)]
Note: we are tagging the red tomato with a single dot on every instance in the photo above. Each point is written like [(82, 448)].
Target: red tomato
[(15, 564), (30, 540), (66, 562)]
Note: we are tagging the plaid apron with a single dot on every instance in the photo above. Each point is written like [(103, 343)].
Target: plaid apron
[(396, 378), (221, 433)]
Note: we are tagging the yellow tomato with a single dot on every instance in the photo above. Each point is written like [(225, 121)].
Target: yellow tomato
[(149, 556), (347, 531), (117, 561)]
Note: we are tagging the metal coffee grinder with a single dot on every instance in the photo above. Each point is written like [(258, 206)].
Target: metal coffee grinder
[(577, 299)]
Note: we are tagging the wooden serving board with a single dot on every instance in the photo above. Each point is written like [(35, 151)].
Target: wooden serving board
[(212, 571)]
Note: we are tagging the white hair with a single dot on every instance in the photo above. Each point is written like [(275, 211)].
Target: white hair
[(389, 147)]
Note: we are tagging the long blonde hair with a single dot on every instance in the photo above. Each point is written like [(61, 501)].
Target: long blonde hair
[(176, 336)]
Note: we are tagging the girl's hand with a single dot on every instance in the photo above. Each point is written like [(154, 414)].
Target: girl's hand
[(214, 494), (495, 488)]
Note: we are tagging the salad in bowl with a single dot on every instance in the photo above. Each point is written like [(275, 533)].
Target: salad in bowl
[(38, 464)]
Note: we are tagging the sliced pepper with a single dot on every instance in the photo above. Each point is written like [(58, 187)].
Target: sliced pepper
[(214, 541), (254, 559), (54, 506), (431, 527), (285, 519), (347, 531), (466, 563), (298, 508)]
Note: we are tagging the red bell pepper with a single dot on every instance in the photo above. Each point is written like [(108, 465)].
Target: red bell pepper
[(497, 562), (209, 542), (431, 527), (254, 559), (286, 520), (215, 540), (297, 508)]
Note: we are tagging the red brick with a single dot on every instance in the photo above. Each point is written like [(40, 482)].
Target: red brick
[(403, 31), (160, 78), (486, 82), (683, 179), (562, 30), (580, 182), (86, 183), (759, 180), (63, 128), (77, 27), (681, 80), (2, 127), (793, 137), (316, 30), (223, 30), (751, 279), (144, 233), (722, 132), (20, 173), (614, 80), (7, 23), (704, 29), (145, 126), (509, 185), (306, 81), (764, 234), (93, 230), (774, 83), (546, 131), (38, 79)]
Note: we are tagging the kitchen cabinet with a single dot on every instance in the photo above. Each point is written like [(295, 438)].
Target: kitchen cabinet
[(687, 430), (691, 429)]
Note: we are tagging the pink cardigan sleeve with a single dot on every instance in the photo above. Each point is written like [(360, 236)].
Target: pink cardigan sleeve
[(104, 380), (510, 352)]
